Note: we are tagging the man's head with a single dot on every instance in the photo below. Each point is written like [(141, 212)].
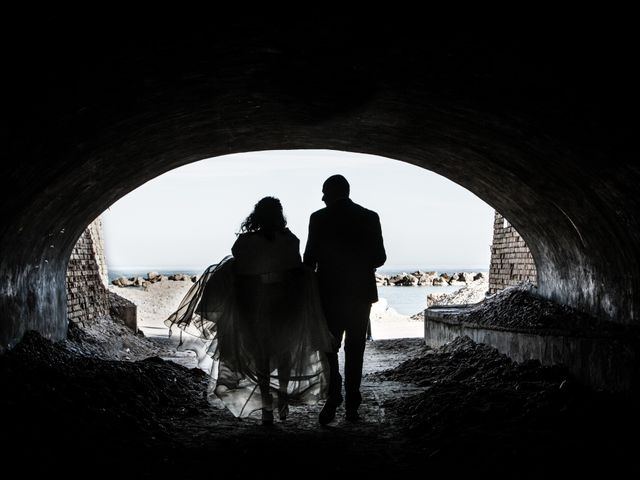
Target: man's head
[(335, 188)]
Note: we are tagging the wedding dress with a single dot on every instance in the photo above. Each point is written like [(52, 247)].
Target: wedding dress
[(258, 314)]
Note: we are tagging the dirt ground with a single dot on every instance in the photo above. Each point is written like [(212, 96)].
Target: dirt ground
[(74, 408)]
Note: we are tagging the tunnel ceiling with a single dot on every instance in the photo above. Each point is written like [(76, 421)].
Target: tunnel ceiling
[(533, 121)]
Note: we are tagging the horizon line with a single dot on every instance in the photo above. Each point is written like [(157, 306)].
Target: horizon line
[(400, 266)]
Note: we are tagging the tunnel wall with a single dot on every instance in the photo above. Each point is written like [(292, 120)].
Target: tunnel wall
[(511, 259), (537, 126), (87, 295)]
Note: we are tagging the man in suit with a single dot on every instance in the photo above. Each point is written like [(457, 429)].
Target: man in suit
[(345, 247)]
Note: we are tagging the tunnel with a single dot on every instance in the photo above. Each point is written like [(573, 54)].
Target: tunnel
[(535, 125)]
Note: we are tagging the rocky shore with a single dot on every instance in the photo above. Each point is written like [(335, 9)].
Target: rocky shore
[(157, 296), (152, 277), (415, 278), (156, 301), (471, 293), (418, 278)]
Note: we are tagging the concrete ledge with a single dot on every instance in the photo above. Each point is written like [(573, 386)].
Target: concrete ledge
[(606, 362), (124, 310)]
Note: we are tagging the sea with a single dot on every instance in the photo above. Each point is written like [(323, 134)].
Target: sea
[(412, 300), (404, 300)]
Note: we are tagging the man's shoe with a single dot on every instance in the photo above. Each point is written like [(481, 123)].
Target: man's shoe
[(283, 409), (352, 415), (267, 417), (327, 413)]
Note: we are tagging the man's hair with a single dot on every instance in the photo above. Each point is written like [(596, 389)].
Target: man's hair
[(336, 186)]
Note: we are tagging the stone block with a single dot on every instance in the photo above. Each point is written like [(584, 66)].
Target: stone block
[(124, 310)]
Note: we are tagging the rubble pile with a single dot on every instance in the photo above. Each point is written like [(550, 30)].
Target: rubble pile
[(462, 410), (59, 396), (520, 308), (482, 409)]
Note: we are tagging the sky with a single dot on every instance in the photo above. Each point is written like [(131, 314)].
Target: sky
[(187, 219)]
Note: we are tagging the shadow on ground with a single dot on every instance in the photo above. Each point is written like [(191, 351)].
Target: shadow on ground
[(462, 410)]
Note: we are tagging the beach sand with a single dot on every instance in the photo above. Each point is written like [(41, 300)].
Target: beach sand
[(161, 299)]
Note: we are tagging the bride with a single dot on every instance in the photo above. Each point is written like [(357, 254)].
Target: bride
[(259, 314)]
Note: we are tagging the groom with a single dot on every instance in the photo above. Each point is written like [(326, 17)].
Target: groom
[(344, 247)]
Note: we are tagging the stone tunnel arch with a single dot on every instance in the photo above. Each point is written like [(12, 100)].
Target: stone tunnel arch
[(375, 190), (510, 262), (479, 115)]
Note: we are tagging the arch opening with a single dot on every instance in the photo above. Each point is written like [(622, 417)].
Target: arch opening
[(185, 220)]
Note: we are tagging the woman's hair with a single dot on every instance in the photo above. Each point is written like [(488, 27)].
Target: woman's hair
[(267, 217)]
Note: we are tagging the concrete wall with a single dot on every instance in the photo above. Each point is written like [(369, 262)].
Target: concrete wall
[(605, 362), (511, 259)]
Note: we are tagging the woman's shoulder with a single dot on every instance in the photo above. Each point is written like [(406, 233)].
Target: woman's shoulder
[(289, 233), (247, 236), (289, 236), (250, 238), (243, 240)]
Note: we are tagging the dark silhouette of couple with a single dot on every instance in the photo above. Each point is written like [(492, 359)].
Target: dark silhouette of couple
[(274, 322)]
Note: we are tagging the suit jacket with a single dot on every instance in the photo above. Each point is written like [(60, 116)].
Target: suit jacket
[(345, 247)]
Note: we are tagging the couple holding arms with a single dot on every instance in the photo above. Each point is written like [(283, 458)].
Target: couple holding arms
[(275, 322)]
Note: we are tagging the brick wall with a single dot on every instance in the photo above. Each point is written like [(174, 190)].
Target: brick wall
[(511, 260), (95, 229), (87, 295)]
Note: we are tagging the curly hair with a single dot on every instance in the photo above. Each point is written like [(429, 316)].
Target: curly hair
[(267, 217)]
